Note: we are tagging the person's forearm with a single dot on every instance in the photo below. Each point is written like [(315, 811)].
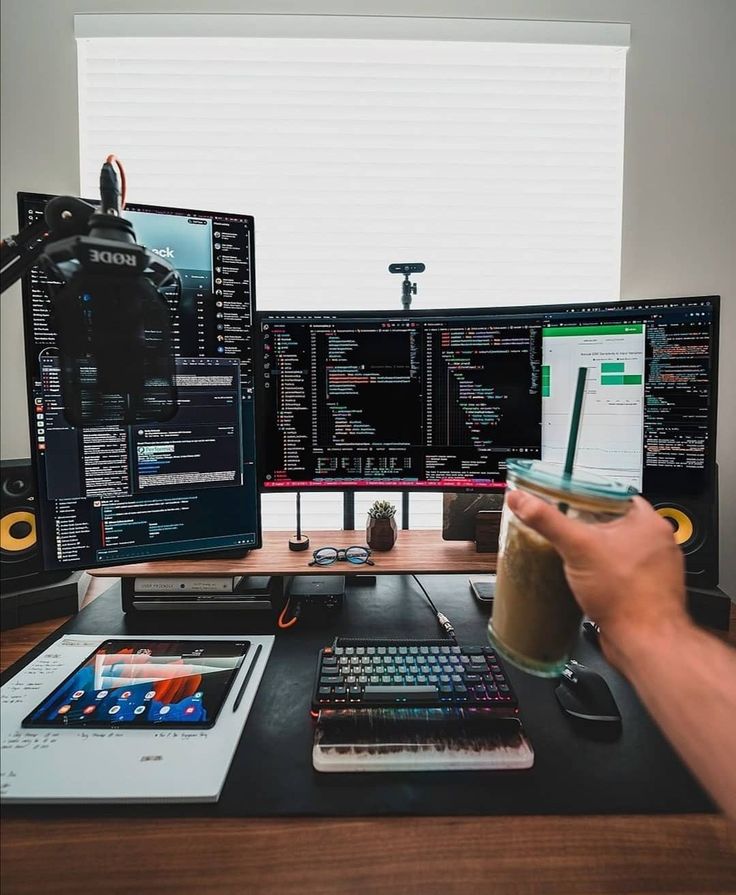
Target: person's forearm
[(687, 680)]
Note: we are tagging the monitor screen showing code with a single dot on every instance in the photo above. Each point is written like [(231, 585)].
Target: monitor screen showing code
[(423, 401)]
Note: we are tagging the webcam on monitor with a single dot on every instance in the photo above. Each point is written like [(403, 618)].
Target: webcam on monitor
[(416, 267), (407, 287)]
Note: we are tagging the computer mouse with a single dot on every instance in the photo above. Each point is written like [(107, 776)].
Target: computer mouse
[(584, 694)]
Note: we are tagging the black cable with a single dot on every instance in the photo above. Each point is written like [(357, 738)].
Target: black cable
[(426, 594), (110, 190), (444, 621)]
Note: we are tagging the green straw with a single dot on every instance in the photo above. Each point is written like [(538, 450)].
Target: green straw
[(572, 438)]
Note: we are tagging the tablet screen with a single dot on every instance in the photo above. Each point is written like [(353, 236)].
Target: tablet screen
[(133, 684)]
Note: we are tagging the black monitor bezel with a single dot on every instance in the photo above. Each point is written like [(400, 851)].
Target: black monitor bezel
[(429, 313), (24, 196)]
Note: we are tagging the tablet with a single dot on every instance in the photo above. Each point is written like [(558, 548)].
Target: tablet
[(135, 684)]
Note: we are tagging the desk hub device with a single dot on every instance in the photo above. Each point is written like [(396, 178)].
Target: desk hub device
[(239, 593), (187, 585), (315, 596)]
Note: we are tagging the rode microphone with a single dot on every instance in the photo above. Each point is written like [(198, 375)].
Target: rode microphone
[(111, 318), (112, 322)]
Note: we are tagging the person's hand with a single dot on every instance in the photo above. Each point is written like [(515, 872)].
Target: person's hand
[(627, 575)]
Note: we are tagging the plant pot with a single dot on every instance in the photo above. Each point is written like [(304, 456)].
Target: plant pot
[(380, 534)]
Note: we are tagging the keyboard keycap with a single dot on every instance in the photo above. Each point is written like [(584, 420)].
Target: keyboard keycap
[(414, 694)]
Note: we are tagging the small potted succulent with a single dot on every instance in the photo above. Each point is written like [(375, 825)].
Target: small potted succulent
[(380, 530)]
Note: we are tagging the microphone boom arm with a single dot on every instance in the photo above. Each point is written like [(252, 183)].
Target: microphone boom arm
[(64, 216)]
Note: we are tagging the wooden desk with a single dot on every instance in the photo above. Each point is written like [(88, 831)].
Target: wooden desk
[(687, 854), (414, 551)]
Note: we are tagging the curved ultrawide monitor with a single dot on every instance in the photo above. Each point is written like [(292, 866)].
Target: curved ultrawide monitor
[(438, 400), (112, 494)]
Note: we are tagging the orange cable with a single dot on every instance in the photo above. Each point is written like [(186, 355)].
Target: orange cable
[(281, 622)]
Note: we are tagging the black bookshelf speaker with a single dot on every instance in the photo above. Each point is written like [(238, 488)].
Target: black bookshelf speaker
[(694, 521), (20, 553)]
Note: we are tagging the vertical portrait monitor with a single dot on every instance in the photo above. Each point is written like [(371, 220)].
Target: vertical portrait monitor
[(111, 494), (438, 400)]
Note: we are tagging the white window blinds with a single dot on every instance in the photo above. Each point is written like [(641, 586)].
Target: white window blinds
[(494, 155)]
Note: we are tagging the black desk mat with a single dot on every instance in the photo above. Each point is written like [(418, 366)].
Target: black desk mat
[(272, 774)]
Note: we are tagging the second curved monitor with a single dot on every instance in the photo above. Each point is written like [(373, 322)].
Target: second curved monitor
[(438, 401)]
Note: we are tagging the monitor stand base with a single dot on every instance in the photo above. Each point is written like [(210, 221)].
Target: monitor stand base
[(229, 553)]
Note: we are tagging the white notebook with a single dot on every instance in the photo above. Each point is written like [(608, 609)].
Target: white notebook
[(68, 766)]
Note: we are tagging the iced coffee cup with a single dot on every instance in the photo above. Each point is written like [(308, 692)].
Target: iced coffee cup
[(535, 617)]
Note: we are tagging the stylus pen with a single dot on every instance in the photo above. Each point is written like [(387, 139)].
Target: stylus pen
[(249, 672)]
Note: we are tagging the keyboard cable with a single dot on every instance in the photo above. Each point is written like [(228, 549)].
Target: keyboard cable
[(443, 620)]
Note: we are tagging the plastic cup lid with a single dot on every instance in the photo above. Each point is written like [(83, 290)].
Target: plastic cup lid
[(551, 476)]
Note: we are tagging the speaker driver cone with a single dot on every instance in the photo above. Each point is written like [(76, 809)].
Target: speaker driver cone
[(682, 524), (17, 533)]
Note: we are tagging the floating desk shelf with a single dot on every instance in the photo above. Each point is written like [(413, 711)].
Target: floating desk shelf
[(414, 552)]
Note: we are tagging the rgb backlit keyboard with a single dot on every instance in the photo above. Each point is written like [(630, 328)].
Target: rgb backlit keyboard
[(410, 673)]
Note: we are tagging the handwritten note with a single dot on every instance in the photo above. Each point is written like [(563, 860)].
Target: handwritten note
[(114, 765)]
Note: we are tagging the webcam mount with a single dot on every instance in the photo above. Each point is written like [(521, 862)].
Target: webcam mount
[(407, 287)]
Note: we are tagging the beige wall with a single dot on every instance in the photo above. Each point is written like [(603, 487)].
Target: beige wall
[(680, 157)]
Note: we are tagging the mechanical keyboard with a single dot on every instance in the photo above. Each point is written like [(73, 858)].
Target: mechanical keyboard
[(358, 673)]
